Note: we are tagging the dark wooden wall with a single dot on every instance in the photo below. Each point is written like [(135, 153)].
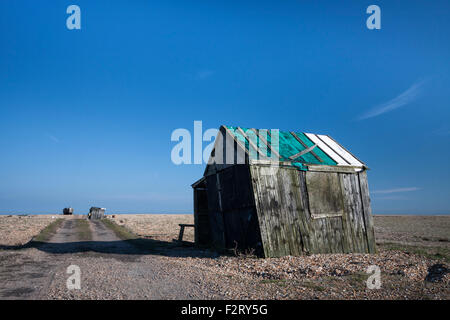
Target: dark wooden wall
[(201, 217), (341, 222), (97, 213), (233, 219)]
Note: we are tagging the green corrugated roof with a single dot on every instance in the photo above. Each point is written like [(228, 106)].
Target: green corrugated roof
[(288, 146)]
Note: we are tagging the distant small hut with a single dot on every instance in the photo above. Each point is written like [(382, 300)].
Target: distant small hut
[(282, 193), (67, 211), (97, 213)]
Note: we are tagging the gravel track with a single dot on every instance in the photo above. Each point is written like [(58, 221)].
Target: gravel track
[(110, 269), (116, 269)]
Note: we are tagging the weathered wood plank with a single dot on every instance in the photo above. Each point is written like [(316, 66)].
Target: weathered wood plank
[(278, 198), (324, 168), (347, 218), (263, 223), (356, 214), (353, 207), (196, 220), (365, 196), (215, 211), (338, 237), (325, 194), (310, 243), (288, 181)]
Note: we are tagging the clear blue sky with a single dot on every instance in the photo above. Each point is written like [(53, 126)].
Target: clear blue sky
[(86, 115)]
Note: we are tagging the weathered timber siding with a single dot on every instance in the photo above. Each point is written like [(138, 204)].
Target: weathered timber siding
[(354, 218), (215, 212), (232, 209), (201, 217), (368, 218), (325, 194), (280, 210), (286, 224)]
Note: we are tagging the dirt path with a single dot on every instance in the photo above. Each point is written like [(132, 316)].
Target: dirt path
[(27, 271), (110, 269), (115, 269)]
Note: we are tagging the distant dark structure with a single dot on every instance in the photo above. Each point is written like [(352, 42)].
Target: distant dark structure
[(96, 213), (67, 211), (286, 193)]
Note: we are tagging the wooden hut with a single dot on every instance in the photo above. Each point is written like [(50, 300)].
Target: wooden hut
[(67, 211), (96, 213), (282, 193)]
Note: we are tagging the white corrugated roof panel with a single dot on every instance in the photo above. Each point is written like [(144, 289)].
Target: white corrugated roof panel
[(334, 150)]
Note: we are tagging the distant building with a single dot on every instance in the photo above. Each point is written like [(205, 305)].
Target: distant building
[(97, 213), (285, 193), (67, 211)]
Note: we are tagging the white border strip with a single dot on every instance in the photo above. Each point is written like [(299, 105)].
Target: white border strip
[(340, 161), (339, 150)]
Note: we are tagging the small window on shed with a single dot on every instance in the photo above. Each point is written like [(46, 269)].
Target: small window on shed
[(325, 194)]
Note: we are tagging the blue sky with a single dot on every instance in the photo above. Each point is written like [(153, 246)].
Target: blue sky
[(86, 115)]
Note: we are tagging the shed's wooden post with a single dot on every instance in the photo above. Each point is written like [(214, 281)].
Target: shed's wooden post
[(368, 219), (196, 217)]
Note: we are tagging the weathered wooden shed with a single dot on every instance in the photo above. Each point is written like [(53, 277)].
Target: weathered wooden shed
[(96, 213), (67, 211), (282, 193)]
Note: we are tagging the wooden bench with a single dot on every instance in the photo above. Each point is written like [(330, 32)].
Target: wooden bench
[(182, 226)]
